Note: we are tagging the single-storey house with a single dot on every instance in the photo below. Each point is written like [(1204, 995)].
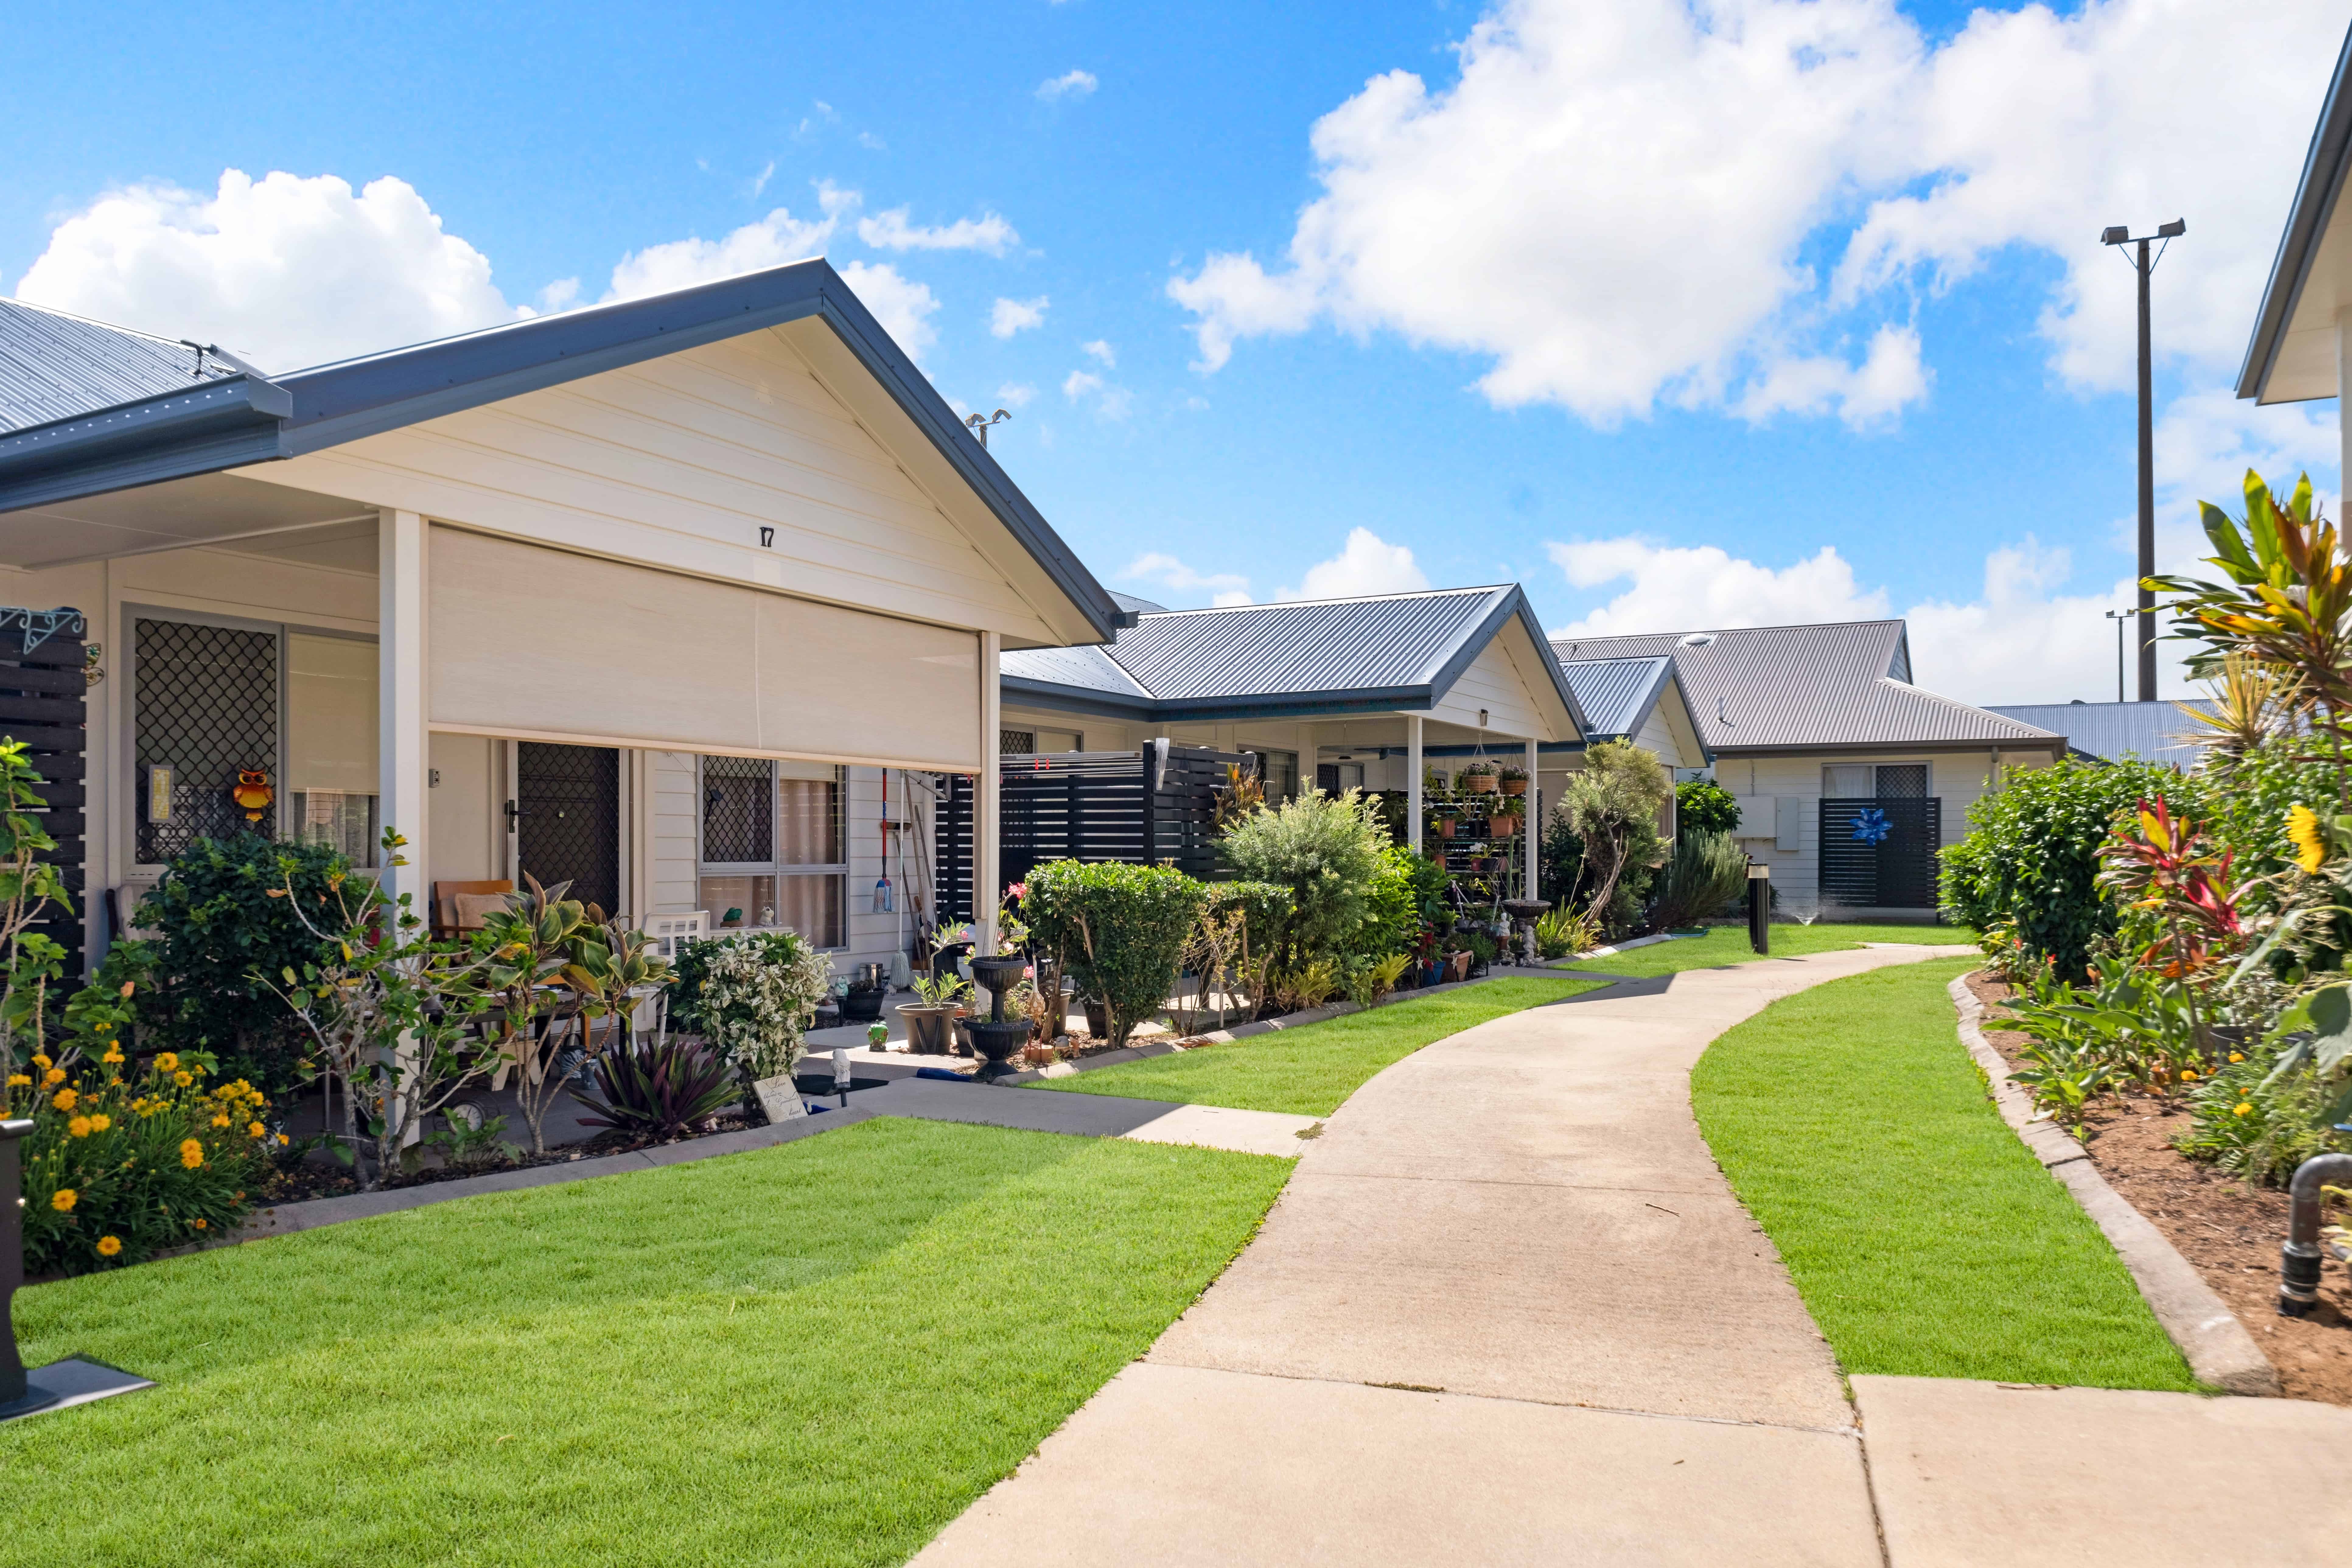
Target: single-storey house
[(1365, 693), (682, 600), (1850, 778)]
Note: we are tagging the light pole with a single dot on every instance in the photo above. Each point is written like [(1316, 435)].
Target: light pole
[(2119, 617), (2144, 264)]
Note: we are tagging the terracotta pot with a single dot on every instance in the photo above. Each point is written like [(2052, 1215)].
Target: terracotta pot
[(1515, 786), (1445, 826), (1504, 826)]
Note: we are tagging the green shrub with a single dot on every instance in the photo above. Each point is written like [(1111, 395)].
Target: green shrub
[(1120, 930), (2030, 862), (1702, 806), (1708, 871), (218, 927), (2249, 1127), (2249, 802), (1326, 849), (1408, 892)]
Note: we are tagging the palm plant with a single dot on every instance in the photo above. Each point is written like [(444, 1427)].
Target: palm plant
[(2252, 700), (2286, 603)]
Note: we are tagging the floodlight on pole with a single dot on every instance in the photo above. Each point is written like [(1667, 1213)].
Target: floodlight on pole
[(2144, 264), (979, 425)]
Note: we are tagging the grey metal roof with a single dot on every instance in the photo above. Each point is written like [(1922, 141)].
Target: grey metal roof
[(1299, 655), (1140, 606), (1327, 645), (1812, 687), (1617, 694), (2151, 730), (2323, 167), (56, 366), (156, 435)]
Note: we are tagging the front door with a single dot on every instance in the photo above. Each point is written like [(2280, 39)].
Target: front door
[(567, 811)]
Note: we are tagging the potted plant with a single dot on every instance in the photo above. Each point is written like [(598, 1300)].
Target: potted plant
[(1503, 822), (929, 1019), (1513, 781), (1478, 778)]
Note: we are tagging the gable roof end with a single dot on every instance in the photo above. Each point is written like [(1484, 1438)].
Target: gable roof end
[(248, 419)]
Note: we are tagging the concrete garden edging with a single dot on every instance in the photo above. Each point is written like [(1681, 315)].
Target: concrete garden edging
[(2219, 1350)]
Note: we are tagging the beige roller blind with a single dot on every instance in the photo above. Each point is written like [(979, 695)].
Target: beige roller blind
[(879, 685), (534, 642)]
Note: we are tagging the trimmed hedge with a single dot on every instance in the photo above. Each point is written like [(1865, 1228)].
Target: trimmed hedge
[(1118, 930), (2031, 862)]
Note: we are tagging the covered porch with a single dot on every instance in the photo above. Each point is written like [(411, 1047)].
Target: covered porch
[(687, 602)]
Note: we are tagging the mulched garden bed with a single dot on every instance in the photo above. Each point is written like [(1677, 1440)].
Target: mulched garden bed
[(2227, 1229)]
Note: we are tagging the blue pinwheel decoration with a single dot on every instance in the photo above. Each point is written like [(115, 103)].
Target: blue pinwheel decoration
[(1870, 826)]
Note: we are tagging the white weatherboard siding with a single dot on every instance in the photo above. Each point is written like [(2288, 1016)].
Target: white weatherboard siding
[(1495, 682), (681, 461)]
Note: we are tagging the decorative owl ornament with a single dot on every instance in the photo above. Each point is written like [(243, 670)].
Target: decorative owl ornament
[(253, 793)]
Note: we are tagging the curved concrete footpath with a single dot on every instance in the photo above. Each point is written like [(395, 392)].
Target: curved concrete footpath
[(1505, 1312)]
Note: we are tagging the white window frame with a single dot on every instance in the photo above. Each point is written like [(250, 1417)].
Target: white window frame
[(773, 866)]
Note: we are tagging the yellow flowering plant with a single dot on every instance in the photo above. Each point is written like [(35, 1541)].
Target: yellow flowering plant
[(109, 1176)]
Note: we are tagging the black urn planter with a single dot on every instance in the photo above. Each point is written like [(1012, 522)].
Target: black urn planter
[(864, 1004), (997, 1037)]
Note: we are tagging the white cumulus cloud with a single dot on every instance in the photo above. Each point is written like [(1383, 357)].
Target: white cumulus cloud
[(1016, 394), (892, 230), (772, 241), (1101, 351), (1069, 84), (1007, 317), (1624, 202), (285, 270), (1366, 563), (903, 306)]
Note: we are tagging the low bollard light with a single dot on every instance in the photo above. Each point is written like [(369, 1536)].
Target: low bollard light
[(73, 1380)]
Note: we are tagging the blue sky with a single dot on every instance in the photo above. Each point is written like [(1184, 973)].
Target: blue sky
[(1502, 347)]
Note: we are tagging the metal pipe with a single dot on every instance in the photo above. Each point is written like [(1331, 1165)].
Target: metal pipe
[(2300, 1259)]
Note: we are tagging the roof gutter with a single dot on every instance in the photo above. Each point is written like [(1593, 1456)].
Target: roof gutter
[(2315, 198), (204, 428)]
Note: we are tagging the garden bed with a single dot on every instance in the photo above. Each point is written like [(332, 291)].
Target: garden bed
[(2227, 1229)]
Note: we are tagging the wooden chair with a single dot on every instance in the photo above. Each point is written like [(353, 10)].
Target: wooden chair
[(446, 920)]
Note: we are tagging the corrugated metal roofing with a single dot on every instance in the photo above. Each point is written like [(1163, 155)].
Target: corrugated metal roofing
[(1324, 644), (56, 366), (1088, 666), (2151, 730), (1771, 687), (1140, 606), (1616, 694)]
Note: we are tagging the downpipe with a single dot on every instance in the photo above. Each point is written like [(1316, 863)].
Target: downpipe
[(2300, 1259)]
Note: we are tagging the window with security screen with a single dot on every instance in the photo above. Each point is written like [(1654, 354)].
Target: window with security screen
[(773, 851), (205, 706)]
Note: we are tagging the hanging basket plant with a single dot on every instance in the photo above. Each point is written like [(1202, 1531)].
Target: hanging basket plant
[(1478, 778), (1514, 780)]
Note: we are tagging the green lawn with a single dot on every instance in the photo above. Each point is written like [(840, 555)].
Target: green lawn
[(1309, 1071), (1924, 1237), (820, 1352), (1729, 944)]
